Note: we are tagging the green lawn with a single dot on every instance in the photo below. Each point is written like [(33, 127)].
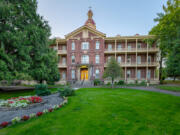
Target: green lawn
[(97, 111), (6, 95), (170, 88)]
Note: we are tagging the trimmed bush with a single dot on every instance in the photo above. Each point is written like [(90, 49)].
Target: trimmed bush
[(66, 92), (143, 83), (121, 82), (97, 82), (42, 90)]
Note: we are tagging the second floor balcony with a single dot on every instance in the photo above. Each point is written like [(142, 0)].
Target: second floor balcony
[(62, 65), (62, 52)]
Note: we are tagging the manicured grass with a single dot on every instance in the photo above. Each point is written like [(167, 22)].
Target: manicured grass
[(171, 82), (170, 88), (6, 95), (97, 111)]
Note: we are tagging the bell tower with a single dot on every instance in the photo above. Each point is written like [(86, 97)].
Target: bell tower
[(90, 22)]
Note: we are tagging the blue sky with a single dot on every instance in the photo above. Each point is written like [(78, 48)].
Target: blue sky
[(124, 17)]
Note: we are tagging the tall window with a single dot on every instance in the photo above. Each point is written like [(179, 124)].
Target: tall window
[(97, 59), (97, 74), (128, 73), (73, 46), (63, 60), (85, 59), (149, 59), (138, 59), (119, 59), (139, 45), (73, 59), (85, 45), (73, 74), (64, 75), (110, 47), (63, 47), (97, 45), (139, 74), (128, 59), (129, 46), (109, 58), (119, 47)]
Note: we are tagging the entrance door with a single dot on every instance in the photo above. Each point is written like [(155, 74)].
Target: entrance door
[(84, 74)]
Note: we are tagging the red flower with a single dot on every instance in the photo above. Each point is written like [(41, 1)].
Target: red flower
[(4, 124), (25, 117), (60, 106), (39, 113), (10, 102), (50, 110), (35, 99)]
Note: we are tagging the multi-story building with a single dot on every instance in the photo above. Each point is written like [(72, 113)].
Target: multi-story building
[(84, 53)]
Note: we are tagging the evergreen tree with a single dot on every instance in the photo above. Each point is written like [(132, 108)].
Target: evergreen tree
[(24, 36)]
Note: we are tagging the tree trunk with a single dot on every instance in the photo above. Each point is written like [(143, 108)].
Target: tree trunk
[(112, 83), (174, 79)]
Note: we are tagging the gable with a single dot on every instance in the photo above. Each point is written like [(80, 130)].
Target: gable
[(84, 31)]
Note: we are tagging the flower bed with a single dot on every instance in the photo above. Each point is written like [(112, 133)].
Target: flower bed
[(32, 115), (20, 101)]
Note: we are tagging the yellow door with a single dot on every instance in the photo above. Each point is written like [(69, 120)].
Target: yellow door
[(84, 74)]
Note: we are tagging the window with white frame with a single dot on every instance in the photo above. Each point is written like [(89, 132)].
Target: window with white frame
[(73, 74), (97, 59), (97, 74), (97, 45), (110, 47), (139, 74), (63, 60), (64, 75), (108, 58), (149, 59), (138, 59), (128, 73), (85, 46), (139, 45), (73, 59), (149, 74), (119, 59), (129, 46), (119, 47), (85, 59), (73, 46)]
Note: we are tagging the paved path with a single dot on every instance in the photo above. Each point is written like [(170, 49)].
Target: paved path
[(156, 90), (50, 100)]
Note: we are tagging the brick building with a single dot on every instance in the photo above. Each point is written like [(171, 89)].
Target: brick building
[(84, 53)]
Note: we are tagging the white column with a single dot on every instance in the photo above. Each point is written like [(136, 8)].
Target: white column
[(147, 61), (125, 59), (136, 58), (115, 49)]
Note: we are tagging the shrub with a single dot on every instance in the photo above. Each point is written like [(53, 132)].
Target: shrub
[(66, 92), (42, 90), (39, 113), (4, 124), (50, 109), (97, 82), (136, 81), (108, 84), (25, 117), (143, 83), (16, 120), (121, 82)]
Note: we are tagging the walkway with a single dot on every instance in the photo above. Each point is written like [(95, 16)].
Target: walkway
[(155, 90)]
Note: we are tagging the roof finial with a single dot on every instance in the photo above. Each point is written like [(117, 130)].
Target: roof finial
[(90, 13)]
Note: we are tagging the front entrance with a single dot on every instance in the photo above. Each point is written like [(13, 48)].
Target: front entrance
[(84, 74)]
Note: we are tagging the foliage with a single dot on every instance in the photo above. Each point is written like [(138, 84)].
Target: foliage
[(68, 91), (143, 83), (121, 82), (167, 30), (170, 88), (113, 70), (42, 90), (97, 82), (24, 43)]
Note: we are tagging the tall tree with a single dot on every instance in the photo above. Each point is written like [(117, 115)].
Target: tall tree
[(166, 30), (113, 70), (24, 36)]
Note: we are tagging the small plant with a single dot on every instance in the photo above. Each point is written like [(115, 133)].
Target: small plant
[(42, 90), (136, 81), (4, 124), (143, 83), (97, 82), (16, 120), (66, 92), (108, 84), (32, 115), (25, 117), (50, 110), (121, 82), (39, 113), (45, 111)]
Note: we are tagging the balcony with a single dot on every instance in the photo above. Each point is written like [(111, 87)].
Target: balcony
[(130, 50), (62, 65), (134, 64), (62, 52)]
